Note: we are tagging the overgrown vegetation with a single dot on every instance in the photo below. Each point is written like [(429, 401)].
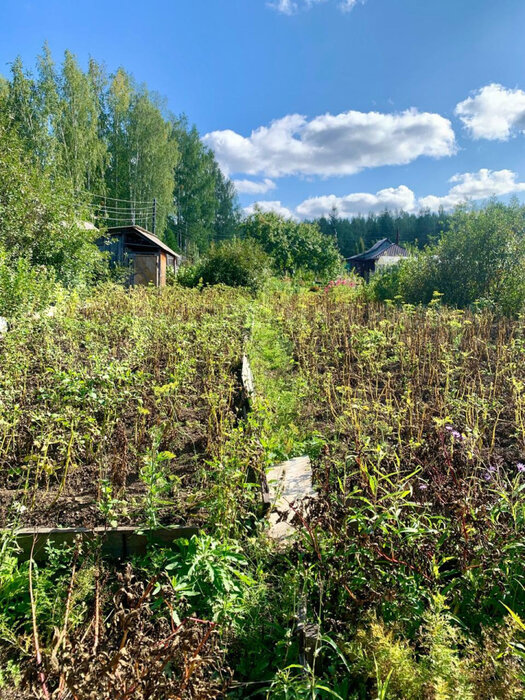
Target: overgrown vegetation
[(237, 263), (295, 248), (124, 407), (479, 260), (40, 221), (95, 398), (419, 523)]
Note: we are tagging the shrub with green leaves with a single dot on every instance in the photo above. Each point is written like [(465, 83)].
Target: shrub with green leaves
[(236, 263), (25, 288), (479, 260), (40, 218), (295, 248)]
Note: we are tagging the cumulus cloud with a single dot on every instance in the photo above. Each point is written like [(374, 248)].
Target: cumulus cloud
[(266, 206), (290, 7), (465, 186), (359, 203), (340, 144), (252, 187), (474, 186), (494, 113)]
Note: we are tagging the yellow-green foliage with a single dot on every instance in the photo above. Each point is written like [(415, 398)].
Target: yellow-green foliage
[(378, 653), (441, 663), (447, 672)]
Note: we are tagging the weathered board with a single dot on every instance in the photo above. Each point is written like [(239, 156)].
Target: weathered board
[(116, 543), (247, 378), (288, 484)]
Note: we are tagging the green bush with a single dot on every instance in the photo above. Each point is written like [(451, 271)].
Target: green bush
[(384, 285), (40, 216), (235, 263), (480, 259), (295, 248), (23, 288)]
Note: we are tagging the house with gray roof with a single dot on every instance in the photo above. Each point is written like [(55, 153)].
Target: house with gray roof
[(381, 254)]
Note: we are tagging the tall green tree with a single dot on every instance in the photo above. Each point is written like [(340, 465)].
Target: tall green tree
[(118, 146), (194, 191), (152, 157), (24, 109), (205, 200), (295, 247), (81, 152), (119, 98), (359, 233), (40, 219), (227, 213), (143, 155), (50, 105)]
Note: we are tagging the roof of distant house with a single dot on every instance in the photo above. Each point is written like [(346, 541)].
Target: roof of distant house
[(379, 249)]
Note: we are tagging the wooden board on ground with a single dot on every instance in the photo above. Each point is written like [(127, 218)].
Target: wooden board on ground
[(247, 378), (289, 483), (116, 543)]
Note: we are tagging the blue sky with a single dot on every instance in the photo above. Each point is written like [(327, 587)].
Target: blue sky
[(309, 103)]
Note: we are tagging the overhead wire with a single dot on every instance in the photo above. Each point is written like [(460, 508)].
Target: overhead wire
[(117, 199), (130, 219), (104, 205), (121, 211)]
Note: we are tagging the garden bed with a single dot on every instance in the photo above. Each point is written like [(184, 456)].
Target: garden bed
[(118, 409)]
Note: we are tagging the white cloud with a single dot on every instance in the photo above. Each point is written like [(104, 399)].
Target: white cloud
[(341, 144), (266, 206), (474, 186), (494, 113), (359, 203), (290, 7), (347, 5), (251, 187), (286, 7), (465, 186)]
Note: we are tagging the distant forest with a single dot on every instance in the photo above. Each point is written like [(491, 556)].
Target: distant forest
[(358, 234)]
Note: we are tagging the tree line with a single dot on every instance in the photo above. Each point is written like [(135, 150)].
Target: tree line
[(357, 234), (120, 149)]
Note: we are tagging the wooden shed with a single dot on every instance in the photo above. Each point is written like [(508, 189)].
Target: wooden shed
[(147, 256), (381, 254)]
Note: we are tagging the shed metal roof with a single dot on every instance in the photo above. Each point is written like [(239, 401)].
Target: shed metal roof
[(378, 249), (151, 237)]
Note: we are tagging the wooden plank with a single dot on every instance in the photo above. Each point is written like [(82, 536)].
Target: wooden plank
[(162, 270), (116, 543), (289, 483), (308, 634), (247, 378)]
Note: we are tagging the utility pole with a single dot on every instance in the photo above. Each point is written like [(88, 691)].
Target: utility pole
[(154, 214)]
